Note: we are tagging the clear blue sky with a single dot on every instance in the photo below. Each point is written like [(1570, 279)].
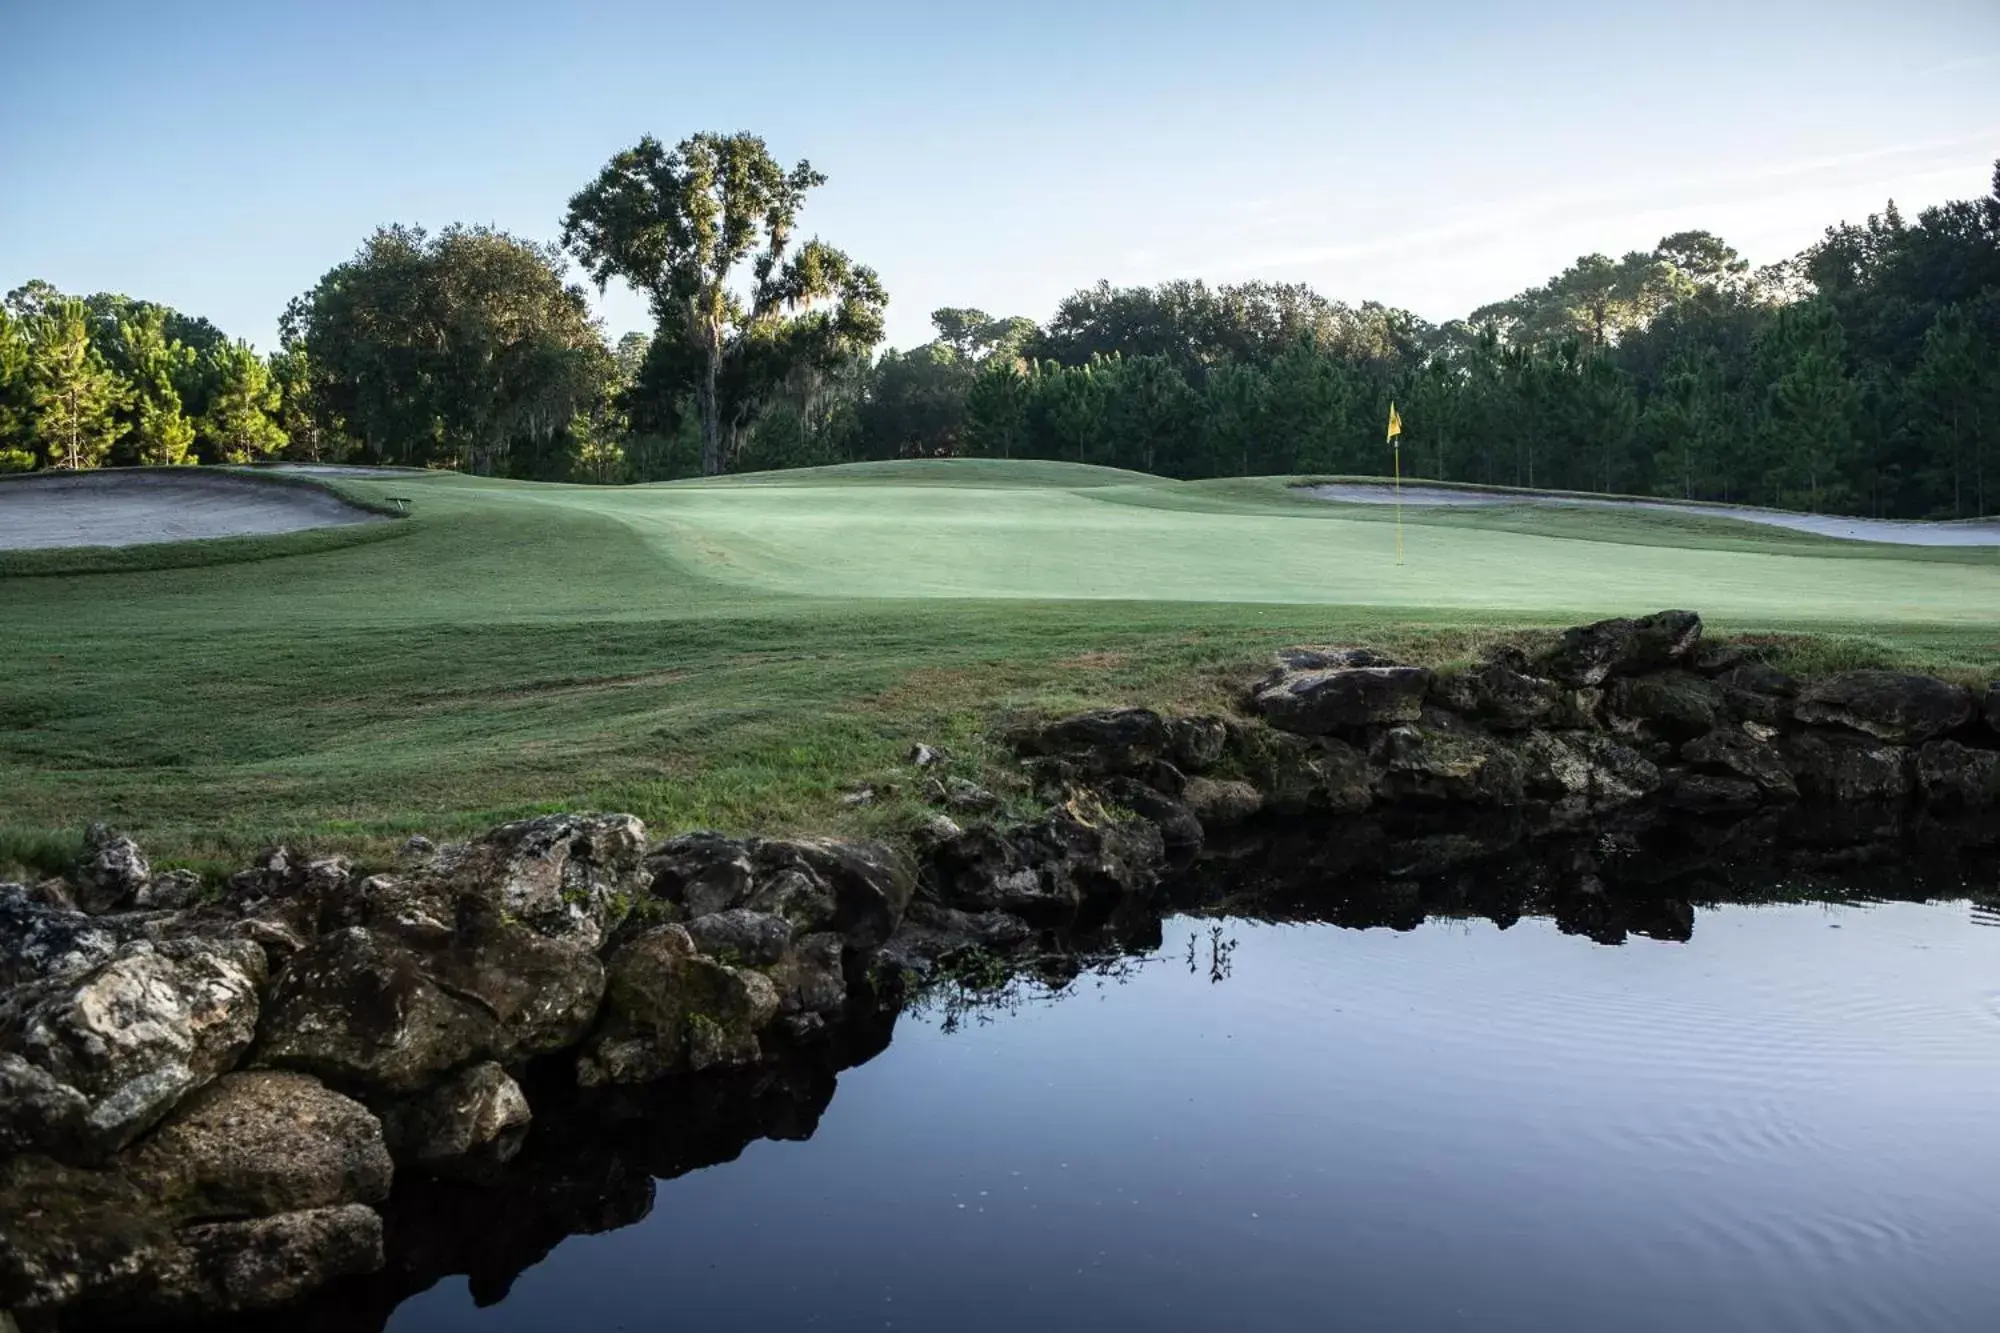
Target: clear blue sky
[(220, 156)]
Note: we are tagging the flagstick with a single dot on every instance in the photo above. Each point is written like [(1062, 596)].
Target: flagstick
[(1399, 499)]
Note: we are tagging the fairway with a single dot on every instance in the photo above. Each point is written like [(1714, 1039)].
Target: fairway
[(737, 653)]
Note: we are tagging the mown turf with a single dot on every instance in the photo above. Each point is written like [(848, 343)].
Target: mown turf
[(736, 653)]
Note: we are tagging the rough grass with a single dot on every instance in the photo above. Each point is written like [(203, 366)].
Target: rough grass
[(737, 654)]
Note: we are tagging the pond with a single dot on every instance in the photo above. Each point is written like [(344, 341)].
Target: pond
[(1776, 1117)]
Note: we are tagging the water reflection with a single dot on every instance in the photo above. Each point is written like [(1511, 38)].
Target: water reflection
[(1344, 1089)]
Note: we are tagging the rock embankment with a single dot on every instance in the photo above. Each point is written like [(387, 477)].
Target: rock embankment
[(205, 1096)]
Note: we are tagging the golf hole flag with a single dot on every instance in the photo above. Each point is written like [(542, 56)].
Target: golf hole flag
[(1395, 437)]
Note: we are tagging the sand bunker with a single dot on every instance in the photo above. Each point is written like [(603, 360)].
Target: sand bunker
[(1900, 532), (136, 508)]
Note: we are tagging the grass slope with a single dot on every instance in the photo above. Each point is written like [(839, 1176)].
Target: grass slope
[(734, 652)]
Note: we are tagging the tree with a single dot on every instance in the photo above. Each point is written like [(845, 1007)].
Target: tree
[(996, 409), (155, 364), (1149, 416), (1234, 430), (301, 415), (1309, 401), (237, 425), (918, 403), (1810, 402), (17, 452), (33, 299), (455, 349), (973, 335), (1066, 409), (1196, 327), (1947, 392), (1701, 259), (1686, 421), (73, 396), (681, 226)]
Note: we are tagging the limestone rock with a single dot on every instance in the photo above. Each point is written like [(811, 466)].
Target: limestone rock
[(856, 887), (667, 1008), (1500, 696), (478, 1114), (40, 941), (1221, 803), (1888, 705), (259, 1142), (811, 979), (1668, 705), (1729, 752), (795, 893), (108, 1245), (1045, 871), (38, 1112), (1592, 654), (1298, 773), (1588, 768), (1179, 829), (1322, 656), (869, 883), (265, 1262), (1195, 744), (1952, 774), (168, 891), (934, 932), (1835, 767), (112, 872), (740, 936), (1314, 702), (1101, 742), (568, 877), (1429, 763), (1758, 693), (701, 872), (984, 870), (359, 1008), (132, 1036), (280, 873)]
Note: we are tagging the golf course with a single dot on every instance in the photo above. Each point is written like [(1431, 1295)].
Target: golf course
[(742, 652)]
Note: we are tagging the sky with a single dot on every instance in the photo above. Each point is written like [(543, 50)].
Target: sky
[(219, 157)]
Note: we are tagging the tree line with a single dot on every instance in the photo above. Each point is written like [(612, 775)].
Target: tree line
[(1862, 375), (106, 380)]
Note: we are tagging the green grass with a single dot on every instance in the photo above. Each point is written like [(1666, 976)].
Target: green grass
[(736, 652)]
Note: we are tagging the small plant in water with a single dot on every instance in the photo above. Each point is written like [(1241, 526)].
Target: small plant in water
[(1220, 952)]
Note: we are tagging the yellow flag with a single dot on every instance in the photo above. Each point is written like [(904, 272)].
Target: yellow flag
[(1395, 423)]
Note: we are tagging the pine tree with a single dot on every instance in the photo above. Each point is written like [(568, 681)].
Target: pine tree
[(73, 396), (16, 447), (162, 433), (237, 427), (996, 409)]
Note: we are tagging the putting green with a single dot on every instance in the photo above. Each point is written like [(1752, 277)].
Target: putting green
[(884, 538)]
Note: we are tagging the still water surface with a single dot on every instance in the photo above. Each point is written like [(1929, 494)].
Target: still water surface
[(1791, 1122)]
